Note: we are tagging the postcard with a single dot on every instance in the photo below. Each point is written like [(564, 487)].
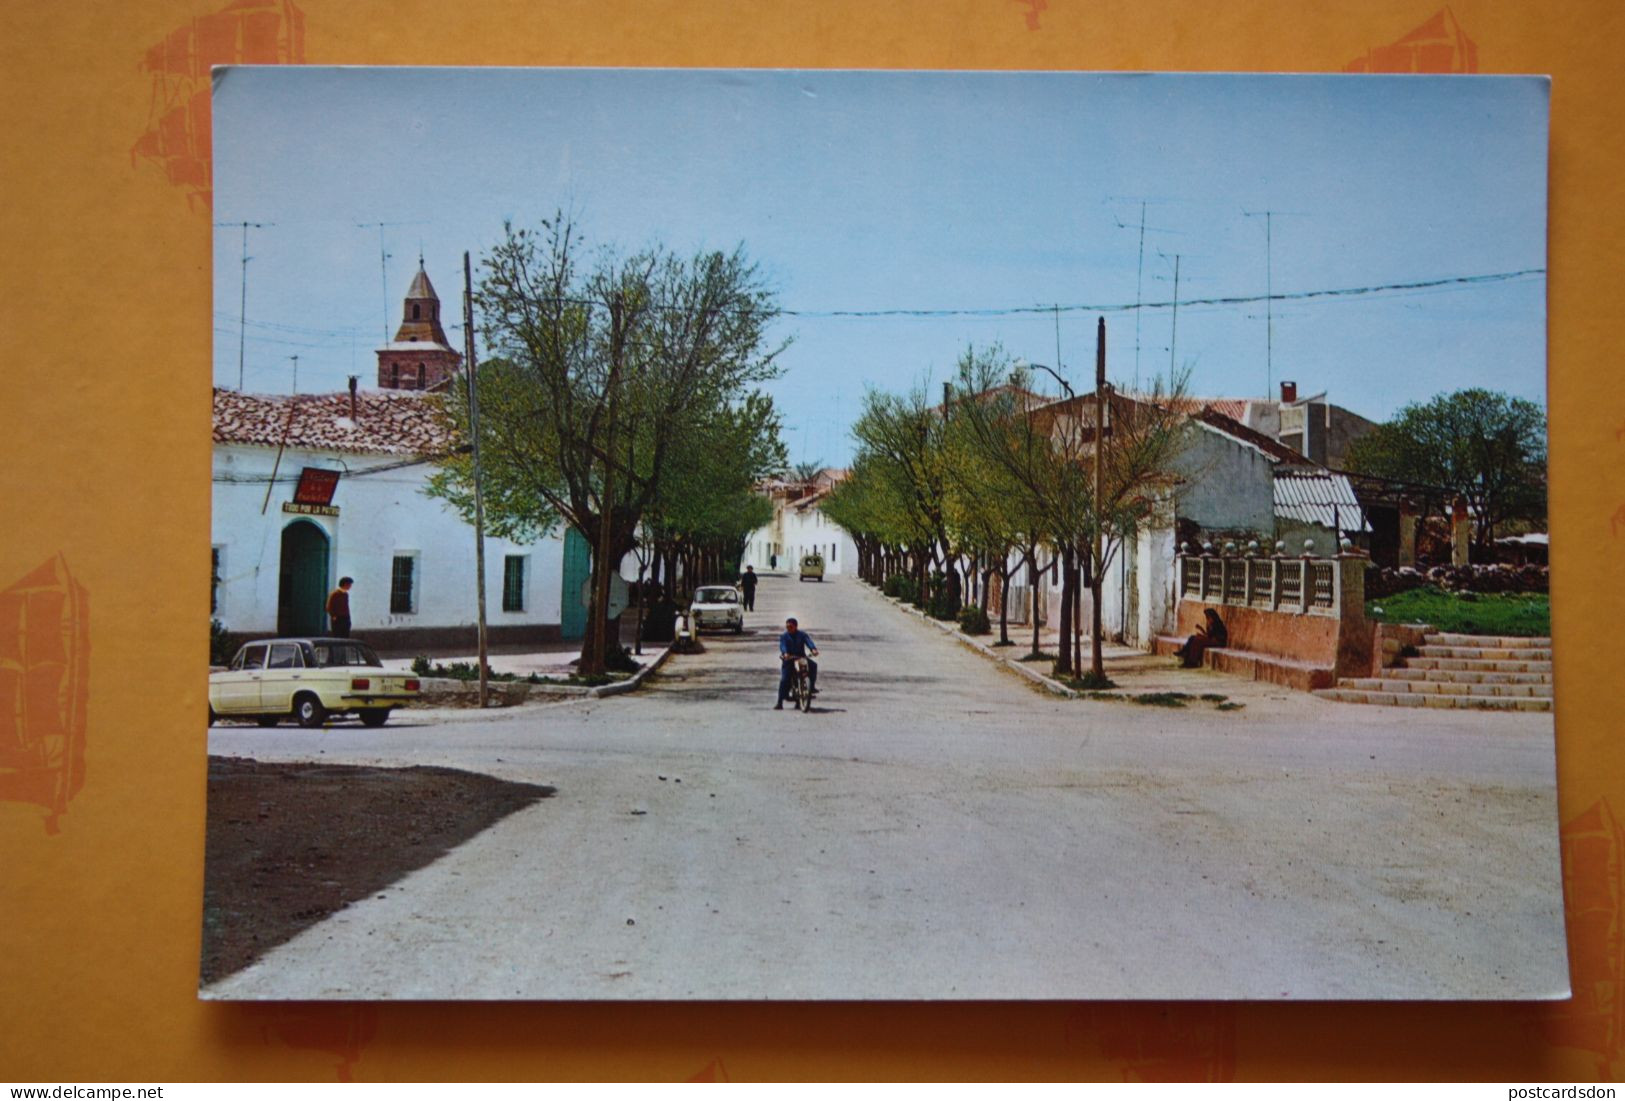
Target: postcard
[(849, 535)]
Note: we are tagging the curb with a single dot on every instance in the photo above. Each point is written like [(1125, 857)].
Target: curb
[(631, 683), (531, 689), (1049, 684)]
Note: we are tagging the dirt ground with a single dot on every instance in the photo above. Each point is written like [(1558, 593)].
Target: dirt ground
[(289, 844)]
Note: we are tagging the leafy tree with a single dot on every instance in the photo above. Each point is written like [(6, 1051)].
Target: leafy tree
[(607, 371), (901, 448), (1045, 454), (1484, 446), (989, 504)]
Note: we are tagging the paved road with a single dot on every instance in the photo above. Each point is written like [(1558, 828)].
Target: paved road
[(939, 829)]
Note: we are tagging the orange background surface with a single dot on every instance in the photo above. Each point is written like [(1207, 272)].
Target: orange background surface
[(104, 434)]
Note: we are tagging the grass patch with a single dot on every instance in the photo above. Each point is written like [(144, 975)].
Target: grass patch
[(1162, 699), (1213, 697), (1230, 705), (1001, 644), (593, 680), (463, 670), (1519, 614), (1089, 683), (1036, 655)]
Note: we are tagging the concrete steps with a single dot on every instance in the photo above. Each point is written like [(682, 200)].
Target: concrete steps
[(1476, 665), (1464, 676), (1448, 688), (1411, 699), (1460, 671)]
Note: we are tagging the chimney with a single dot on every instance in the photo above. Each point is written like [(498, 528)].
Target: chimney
[(353, 414), (1289, 391)]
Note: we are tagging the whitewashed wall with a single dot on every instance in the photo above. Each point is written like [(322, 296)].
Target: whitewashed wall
[(1227, 484), (380, 516)]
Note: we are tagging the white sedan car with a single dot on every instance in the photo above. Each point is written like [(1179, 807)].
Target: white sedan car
[(716, 608), (309, 680)]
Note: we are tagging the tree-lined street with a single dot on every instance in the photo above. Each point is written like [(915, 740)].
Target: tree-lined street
[(939, 829)]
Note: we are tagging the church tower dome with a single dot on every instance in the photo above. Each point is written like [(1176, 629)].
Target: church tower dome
[(420, 357)]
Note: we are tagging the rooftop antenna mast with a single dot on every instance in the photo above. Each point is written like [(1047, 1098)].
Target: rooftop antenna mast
[(1139, 274), (242, 303), (383, 264), (1139, 279), (1269, 217), (1173, 332)]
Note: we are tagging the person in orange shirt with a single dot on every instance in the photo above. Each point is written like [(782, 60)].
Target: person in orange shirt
[(338, 608)]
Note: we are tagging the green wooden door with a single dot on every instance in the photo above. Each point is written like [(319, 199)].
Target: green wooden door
[(302, 593), (577, 568)]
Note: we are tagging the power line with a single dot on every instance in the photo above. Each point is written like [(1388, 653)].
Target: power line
[(1110, 307), (1124, 307), (1422, 285)]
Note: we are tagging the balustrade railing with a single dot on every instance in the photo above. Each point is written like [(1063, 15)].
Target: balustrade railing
[(1307, 585)]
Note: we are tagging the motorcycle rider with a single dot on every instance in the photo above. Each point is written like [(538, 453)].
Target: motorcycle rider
[(795, 643)]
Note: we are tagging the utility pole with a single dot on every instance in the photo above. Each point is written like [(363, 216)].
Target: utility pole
[(470, 366), (1097, 667), (295, 375), (600, 610)]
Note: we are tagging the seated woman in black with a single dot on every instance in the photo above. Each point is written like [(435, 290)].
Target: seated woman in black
[(1211, 633)]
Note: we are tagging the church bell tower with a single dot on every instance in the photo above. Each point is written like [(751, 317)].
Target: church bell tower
[(420, 357)]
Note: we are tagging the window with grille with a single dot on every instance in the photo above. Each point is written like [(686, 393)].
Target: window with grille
[(403, 590), (214, 580), (513, 583)]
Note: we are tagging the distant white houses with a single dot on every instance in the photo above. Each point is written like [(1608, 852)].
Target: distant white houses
[(312, 488), (799, 527)]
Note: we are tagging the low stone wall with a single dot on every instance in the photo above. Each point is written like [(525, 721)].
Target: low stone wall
[(1467, 579), (1340, 644)]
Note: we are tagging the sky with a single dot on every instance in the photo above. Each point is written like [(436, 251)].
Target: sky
[(966, 195)]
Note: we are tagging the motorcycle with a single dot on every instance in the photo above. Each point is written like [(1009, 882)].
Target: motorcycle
[(801, 685)]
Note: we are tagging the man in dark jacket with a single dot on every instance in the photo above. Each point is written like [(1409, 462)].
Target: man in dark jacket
[(748, 584), (338, 608), (795, 643)]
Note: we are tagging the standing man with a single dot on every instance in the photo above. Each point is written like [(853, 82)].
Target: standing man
[(748, 584), (795, 643), (338, 608)]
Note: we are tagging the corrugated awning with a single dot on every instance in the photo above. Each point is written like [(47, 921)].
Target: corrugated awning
[(1318, 497)]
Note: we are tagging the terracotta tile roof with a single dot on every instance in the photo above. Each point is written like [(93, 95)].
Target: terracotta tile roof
[(1234, 408), (388, 422)]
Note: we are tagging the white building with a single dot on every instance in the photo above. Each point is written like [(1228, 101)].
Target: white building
[(800, 527), (313, 488)]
